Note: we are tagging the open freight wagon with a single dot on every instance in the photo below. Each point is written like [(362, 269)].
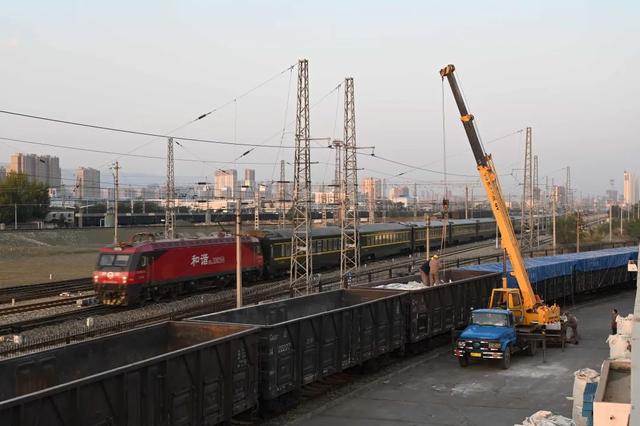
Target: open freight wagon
[(440, 309), (307, 338), (173, 373), (561, 278)]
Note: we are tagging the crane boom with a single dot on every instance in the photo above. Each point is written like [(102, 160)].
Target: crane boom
[(534, 310)]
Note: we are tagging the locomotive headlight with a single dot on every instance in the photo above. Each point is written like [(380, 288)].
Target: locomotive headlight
[(461, 343), (494, 345), (95, 278), (124, 279)]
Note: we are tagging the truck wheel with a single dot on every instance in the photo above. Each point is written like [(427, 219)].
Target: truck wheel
[(532, 349), (463, 360), (506, 358)]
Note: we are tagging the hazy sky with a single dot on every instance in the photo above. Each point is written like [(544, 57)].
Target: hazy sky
[(569, 69)]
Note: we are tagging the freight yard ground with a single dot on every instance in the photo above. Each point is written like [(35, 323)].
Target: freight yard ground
[(431, 389), (28, 257)]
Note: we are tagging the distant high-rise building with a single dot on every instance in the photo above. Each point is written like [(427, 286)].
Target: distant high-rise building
[(38, 168), (3, 172), (226, 183), (628, 189), (372, 187), (250, 180), (87, 183)]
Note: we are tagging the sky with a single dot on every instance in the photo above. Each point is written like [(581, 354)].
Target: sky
[(568, 69)]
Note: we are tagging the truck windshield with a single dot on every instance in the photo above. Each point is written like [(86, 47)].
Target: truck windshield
[(486, 318), (119, 260)]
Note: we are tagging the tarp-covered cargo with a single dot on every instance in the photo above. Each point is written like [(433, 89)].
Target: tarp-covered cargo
[(549, 267)]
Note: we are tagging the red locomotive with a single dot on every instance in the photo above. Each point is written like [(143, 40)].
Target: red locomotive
[(134, 272)]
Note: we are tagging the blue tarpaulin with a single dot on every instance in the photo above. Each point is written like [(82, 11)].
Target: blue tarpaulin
[(542, 268)]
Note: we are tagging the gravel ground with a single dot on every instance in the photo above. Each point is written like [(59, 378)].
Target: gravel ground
[(40, 313), (220, 300)]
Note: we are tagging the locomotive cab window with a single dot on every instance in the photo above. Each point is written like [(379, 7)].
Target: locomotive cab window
[(117, 260)]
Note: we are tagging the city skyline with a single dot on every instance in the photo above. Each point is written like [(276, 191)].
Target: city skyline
[(398, 96)]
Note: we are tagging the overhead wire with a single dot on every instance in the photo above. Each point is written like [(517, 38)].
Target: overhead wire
[(100, 151), (141, 133)]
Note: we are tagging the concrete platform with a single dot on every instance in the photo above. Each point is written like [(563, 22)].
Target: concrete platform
[(434, 390)]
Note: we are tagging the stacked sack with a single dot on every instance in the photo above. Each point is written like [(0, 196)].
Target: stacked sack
[(582, 377), (546, 418), (620, 343)]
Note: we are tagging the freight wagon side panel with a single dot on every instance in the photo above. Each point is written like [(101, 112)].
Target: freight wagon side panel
[(439, 309), (306, 338), (202, 384)]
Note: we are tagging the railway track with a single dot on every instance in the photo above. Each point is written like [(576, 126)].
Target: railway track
[(76, 314), (42, 290), (28, 307)]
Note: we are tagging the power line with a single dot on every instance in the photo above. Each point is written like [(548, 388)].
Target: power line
[(409, 166), (270, 79), (122, 154), (141, 133)]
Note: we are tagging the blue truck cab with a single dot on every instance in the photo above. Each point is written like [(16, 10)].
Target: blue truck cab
[(491, 334)]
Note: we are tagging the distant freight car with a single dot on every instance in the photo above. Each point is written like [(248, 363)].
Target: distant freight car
[(131, 273)]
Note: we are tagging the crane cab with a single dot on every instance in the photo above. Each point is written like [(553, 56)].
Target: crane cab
[(511, 299), (508, 298)]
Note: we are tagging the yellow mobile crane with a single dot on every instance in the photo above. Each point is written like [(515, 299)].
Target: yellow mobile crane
[(528, 309)]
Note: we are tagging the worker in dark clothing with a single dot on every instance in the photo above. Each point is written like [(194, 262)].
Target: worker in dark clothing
[(614, 324), (424, 273), (572, 323)]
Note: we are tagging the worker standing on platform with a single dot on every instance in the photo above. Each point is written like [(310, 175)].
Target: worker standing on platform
[(424, 273), (614, 324), (434, 269)]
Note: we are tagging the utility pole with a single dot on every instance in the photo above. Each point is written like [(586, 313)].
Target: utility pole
[(169, 211), (282, 193), (466, 201), (371, 199), (350, 249), (301, 257), (256, 209), (238, 250), (611, 222), (337, 182), (116, 197), (536, 200), (526, 219), (323, 200), (620, 221), (577, 231), (15, 216), (415, 201), (568, 194), (553, 216), (384, 201), (427, 236)]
